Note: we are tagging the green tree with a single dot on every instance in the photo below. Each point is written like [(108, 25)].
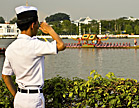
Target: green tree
[(2, 20), (57, 17), (56, 26), (136, 29), (66, 27), (129, 29), (13, 21), (94, 27), (104, 26), (74, 29), (119, 25)]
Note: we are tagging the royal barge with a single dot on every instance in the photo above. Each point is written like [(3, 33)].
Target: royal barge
[(92, 41)]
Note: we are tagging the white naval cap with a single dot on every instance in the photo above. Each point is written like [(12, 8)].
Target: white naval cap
[(26, 13), (21, 9)]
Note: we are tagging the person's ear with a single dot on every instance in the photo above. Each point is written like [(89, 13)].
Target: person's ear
[(32, 25)]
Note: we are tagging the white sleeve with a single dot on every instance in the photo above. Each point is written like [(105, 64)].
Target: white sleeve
[(45, 48), (7, 70)]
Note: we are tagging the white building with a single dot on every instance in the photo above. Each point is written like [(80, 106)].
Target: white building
[(9, 30), (86, 20), (132, 19)]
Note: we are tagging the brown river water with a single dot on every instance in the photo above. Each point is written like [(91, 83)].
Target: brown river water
[(124, 63)]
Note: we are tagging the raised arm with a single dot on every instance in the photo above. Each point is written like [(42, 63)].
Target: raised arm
[(47, 29)]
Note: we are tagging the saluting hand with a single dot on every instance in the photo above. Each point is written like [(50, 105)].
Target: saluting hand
[(45, 28)]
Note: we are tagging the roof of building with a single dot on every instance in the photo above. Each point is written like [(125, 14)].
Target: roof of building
[(82, 19)]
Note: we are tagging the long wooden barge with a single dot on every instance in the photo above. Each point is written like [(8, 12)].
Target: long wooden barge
[(104, 45)]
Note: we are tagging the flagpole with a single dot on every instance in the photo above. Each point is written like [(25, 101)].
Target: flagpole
[(26, 2)]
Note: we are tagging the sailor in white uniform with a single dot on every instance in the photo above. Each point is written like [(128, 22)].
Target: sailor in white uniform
[(25, 59)]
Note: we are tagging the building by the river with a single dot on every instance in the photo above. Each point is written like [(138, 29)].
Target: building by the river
[(9, 30)]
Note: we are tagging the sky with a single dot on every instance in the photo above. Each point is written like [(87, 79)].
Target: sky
[(95, 9)]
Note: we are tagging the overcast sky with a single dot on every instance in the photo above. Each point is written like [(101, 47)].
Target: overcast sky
[(95, 9)]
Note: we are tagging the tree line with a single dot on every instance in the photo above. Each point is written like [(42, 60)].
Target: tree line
[(64, 26)]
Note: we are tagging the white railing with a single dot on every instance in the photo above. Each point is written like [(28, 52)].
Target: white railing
[(68, 36), (62, 36)]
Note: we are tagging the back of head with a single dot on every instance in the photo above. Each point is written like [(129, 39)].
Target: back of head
[(26, 15)]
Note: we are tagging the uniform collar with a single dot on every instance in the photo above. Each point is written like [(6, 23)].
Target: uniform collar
[(23, 36)]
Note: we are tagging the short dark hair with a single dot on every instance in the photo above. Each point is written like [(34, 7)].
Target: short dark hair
[(25, 23), (26, 18)]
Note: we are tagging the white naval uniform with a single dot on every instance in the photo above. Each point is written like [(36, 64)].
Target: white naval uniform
[(25, 58)]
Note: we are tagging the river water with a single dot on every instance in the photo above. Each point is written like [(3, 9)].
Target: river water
[(79, 62)]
